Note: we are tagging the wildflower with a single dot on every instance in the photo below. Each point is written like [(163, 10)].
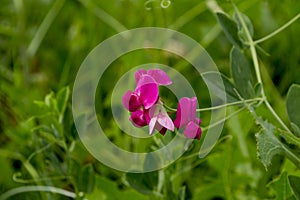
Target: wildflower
[(160, 119), (145, 94), (140, 118), (186, 117)]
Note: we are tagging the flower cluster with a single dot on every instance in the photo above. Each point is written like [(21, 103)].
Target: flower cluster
[(147, 108)]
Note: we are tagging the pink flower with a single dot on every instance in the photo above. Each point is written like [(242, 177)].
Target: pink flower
[(160, 119), (186, 117), (140, 118), (145, 94), (160, 77)]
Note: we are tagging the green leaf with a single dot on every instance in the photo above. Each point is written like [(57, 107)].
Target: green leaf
[(282, 187), (145, 183), (242, 33), (296, 129), (267, 144), (86, 181), (295, 185), (217, 86), (230, 29), (231, 94), (107, 189), (62, 99), (50, 101), (293, 104), (181, 193), (51, 138), (241, 73)]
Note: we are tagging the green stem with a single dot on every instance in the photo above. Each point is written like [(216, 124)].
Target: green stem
[(291, 156), (257, 70), (220, 106), (23, 189), (223, 120), (229, 104), (278, 30), (276, 116)]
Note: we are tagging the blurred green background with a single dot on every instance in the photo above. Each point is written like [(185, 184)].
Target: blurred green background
[(42, 45)]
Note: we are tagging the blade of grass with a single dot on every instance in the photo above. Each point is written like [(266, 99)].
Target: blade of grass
[(44, 27), (104, 16)]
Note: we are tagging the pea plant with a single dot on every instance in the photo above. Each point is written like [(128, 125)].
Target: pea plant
[(256, 157)]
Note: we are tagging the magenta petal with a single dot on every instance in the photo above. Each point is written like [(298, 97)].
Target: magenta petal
[(147, 116), (138, 74), (160, 76), (144, 80), (187, 110), (199, 132), (192, 130), (138, 118), (126, 98), (148, 94), (134, 102), (197, 121), (165, 121), (177, 121)]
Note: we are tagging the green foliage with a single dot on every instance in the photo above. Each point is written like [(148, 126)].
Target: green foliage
[(293, 105), (145, 183), (230, 29), (267, 143), (108, 190), (86, 179), (241, 73), (42, 48), (295, 184), (282, 187)]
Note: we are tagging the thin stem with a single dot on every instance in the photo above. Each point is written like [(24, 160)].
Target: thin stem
[(278, 30), (276, 116), (23, 189), (252, 48), (223, 120), (17, 178), (229, 104), (257, 70), (220, 106)]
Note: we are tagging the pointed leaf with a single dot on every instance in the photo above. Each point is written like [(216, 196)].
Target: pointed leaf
[(86, 180), (62, 99), (230, 29), (143, 182), (282, 187), (293, 104), (241, 73), (295, 185), (242, 33)]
